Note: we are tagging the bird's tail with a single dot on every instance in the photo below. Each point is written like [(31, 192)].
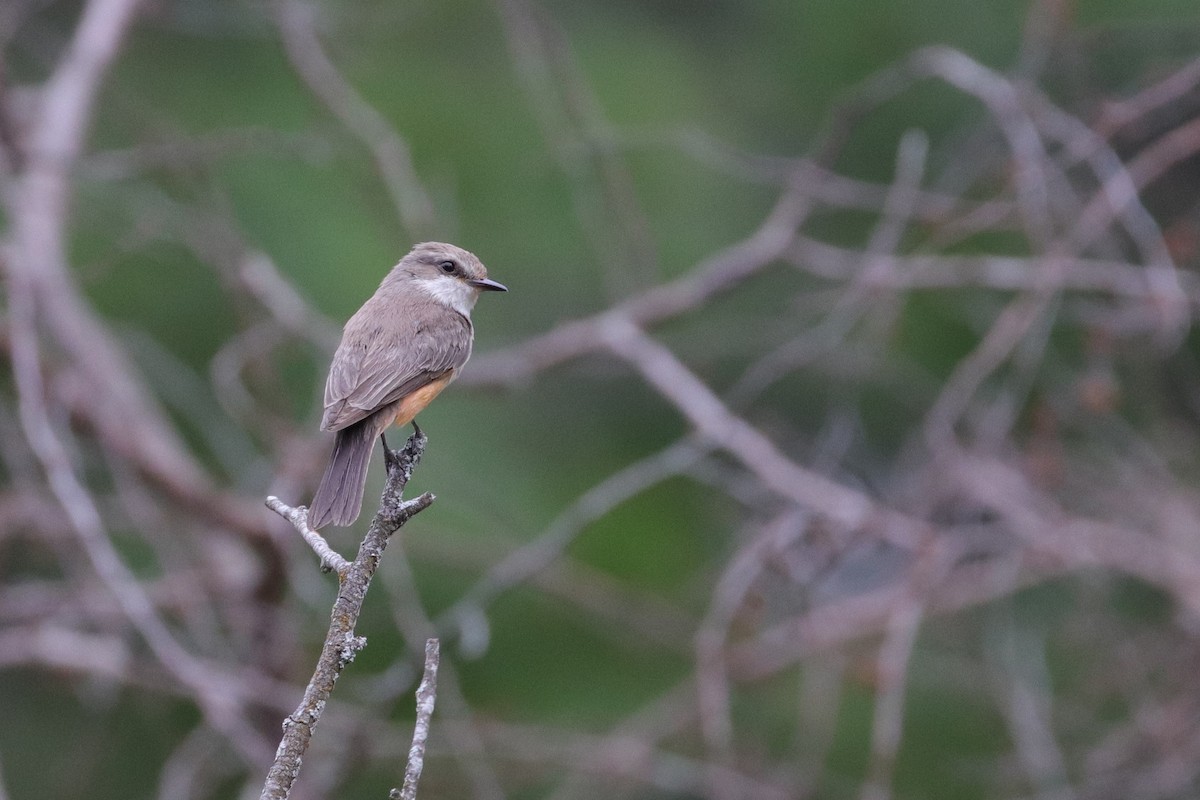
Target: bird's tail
[(339, 496)]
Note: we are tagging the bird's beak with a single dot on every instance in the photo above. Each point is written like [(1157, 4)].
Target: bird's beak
[(488, 285)]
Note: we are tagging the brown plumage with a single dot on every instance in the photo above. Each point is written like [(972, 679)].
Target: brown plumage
[(406, 343)]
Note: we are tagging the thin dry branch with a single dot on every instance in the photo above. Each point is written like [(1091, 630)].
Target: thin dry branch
[(393, 159), (572, 122), (220, 705), (42, 296), (118, 404), (846, 507), (426, 697), (713, 690), (331, 560), (715, 275)]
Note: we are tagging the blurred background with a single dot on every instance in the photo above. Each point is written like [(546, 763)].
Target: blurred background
[(836, 438)]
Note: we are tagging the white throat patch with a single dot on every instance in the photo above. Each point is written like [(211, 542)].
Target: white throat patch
[(451, 292)]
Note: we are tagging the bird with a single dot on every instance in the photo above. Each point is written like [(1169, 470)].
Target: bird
[(397, 353)]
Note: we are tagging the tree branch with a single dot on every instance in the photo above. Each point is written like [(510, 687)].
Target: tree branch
[(341, 644), (426, 697), (331, 560), (389, 151)]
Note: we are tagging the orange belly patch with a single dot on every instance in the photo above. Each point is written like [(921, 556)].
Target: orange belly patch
[(415, 403)]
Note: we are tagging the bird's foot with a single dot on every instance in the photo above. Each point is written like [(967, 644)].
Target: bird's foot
[(404, 460), (414, 448)]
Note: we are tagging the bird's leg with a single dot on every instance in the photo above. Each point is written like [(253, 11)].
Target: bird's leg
[(404, 459), (414, 448), (391, 458)]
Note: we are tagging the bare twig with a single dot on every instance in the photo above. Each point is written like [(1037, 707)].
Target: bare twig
[(41, 291), (298, 516), (1022, 686), (712, 681), (1117, 114), (573, 124), (426, 697), (841, 504), (462, 732), (118, 404), (892, 667), (221, 706), (715, 275), (629, 758), (892, 677), (520, 565), (393, 160)]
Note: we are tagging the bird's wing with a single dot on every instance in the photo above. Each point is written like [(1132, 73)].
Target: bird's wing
[(391, 363)]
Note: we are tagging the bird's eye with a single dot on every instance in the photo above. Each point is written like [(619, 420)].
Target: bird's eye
[(447, 266)]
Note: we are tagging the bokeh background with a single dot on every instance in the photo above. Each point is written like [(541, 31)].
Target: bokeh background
[(836, 438)]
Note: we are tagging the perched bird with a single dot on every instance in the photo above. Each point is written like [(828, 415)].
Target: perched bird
[(398, 352)]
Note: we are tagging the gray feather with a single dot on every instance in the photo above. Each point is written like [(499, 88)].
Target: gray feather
[(339, 496), (393, 346)]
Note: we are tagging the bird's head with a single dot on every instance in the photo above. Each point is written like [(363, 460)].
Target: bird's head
[(451, 275)]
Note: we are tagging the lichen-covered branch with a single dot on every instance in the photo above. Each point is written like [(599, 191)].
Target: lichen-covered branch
[(426, 697), (331, 560), (341, 643)]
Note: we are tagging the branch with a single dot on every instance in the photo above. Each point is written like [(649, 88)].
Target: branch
[(536, 555), (110, 395), (841, 504), (579, 137), (426, 697), (716, 275), (331, 560), (391, 154), (892, 668), (713, 692), (341, 645), (83, 514)]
